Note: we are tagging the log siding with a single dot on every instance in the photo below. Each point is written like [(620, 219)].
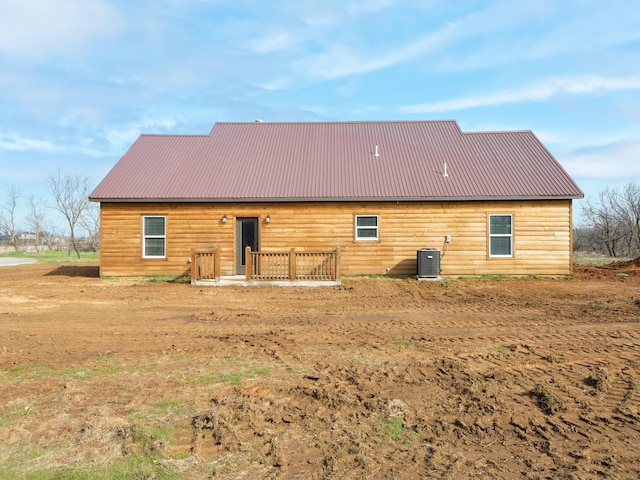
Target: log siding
[(542, 235)]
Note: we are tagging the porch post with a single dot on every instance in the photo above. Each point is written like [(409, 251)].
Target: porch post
[(336, 271), (292, 264), (248, 263), (216, 264), (193, 265)]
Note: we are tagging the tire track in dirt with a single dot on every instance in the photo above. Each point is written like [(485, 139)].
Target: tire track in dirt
[(514, 378), (553, 358)]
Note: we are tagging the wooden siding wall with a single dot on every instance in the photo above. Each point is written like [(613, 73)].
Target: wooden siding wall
[(542, 235)]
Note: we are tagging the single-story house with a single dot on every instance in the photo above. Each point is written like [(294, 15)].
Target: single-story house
[(377, 192)]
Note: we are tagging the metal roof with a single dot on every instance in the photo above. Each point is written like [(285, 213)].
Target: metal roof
[(332, 161)]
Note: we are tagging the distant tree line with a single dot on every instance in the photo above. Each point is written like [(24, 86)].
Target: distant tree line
[(612, 223), (69, 196)]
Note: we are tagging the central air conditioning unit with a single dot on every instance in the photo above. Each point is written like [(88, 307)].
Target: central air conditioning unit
[(428, 263)]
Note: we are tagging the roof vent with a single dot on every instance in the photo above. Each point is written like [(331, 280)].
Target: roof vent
[(377, 152), (444, 173), (258, 121)]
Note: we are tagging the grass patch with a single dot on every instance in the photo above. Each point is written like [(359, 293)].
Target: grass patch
[(394, 428), (82, 373), (131, 466), (505, 348), (180, 357), (494, 277), (57, 257), (600, 379), (169, 407), (207, 378), (163, 432), (163, 409), (19, 461), (36, 371), (597, 260), (21, 368), (135, 466), (25, 372), (147, 438), (234, 378), (4, 419), (259, 372), (403, 344), (548, 401), (166, 278), (149, 279), (106, 357)]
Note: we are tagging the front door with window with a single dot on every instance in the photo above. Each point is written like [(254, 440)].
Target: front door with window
[(246, 235)]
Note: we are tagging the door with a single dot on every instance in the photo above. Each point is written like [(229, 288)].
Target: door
[(246, 235)]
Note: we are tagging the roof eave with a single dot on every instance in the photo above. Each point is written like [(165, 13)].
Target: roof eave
[(336, 199)]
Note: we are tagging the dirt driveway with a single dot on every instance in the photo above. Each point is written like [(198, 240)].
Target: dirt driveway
[(377, 378)]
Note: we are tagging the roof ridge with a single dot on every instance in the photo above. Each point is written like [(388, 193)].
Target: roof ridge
[(485, 132), (174, 134), (336, 122)]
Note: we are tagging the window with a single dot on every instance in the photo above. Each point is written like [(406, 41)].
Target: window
[(366, 227), (500, 235), (154, 237)]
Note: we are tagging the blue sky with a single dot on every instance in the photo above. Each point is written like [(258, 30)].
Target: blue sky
[(81, 79)]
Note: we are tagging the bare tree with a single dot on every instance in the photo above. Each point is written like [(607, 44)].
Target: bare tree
[(613, 221), (36, 218), (51, 237), (8, 217), (90, 222), (71, 198), (629, 209), (600, 217)]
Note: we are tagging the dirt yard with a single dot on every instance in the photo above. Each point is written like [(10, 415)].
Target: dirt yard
[(378, 378)]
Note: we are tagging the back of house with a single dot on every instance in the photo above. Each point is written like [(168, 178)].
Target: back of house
[(378, 193)]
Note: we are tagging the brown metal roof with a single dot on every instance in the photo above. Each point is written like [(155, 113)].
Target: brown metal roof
[(337, 161)]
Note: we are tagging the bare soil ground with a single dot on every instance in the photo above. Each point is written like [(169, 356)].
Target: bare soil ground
[(378, 378)]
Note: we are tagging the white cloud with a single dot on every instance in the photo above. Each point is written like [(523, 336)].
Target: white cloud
[(276, 84), (510, 33), (17, 143), (121, 138), (118, 138), (340, 61), (273, 42), (14, 143), (370, 6), (580, 84), (604, 25), (38, 28), (610, 161)]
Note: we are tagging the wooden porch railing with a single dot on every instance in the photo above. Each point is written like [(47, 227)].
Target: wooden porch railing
[(205, 264), (292, 265)]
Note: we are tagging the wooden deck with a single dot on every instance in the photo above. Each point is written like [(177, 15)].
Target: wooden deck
[(291, 266)]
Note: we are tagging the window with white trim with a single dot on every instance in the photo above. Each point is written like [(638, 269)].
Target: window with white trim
[(366, 227), (154, 236), (501, 235)]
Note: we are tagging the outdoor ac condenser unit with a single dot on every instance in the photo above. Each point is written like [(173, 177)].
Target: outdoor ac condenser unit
[(428, 263)]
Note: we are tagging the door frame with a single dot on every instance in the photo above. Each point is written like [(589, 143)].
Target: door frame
[(241, 242)]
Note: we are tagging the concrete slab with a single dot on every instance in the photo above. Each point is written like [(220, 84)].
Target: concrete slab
[(241, 281), (11, 261)]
